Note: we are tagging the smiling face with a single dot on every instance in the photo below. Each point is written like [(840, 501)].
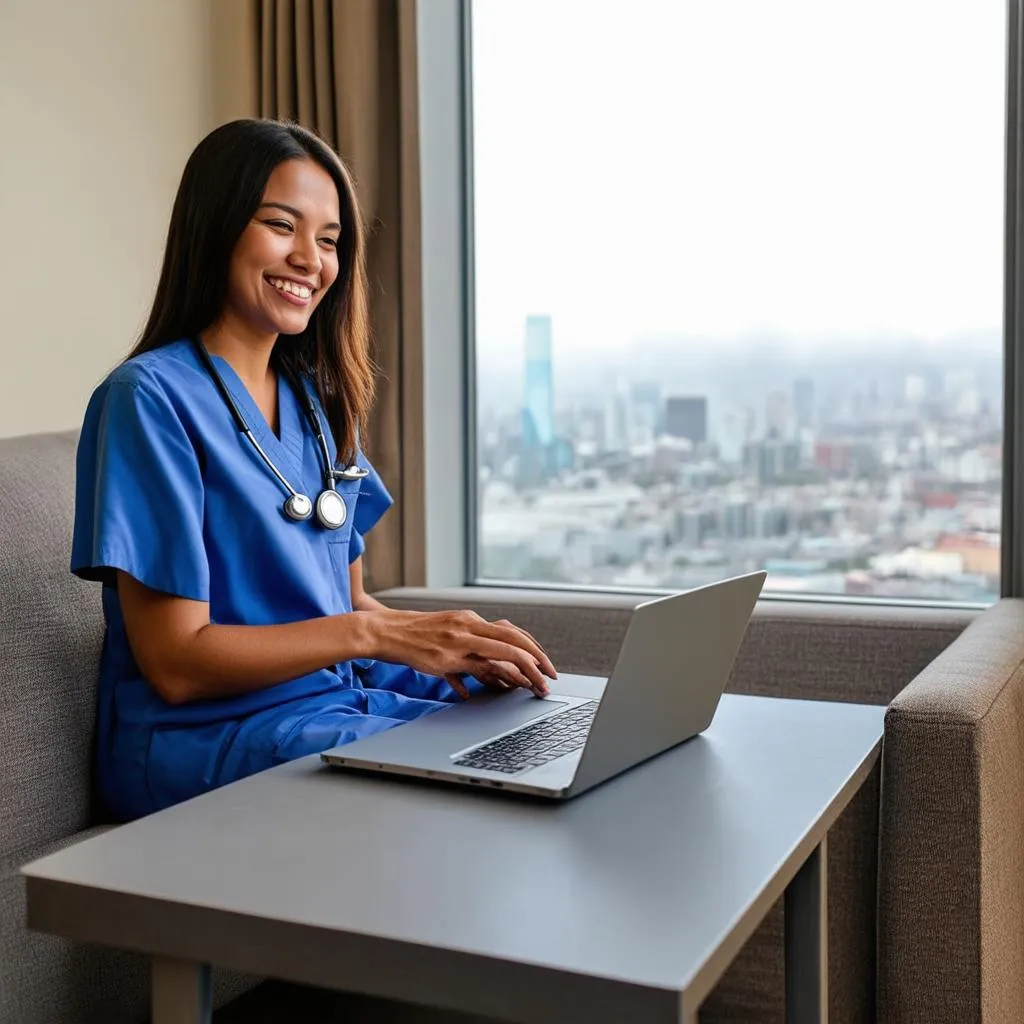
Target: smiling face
[(287, 256)]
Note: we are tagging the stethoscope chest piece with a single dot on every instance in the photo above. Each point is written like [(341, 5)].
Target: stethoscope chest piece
[(298, 508), (331, 510)]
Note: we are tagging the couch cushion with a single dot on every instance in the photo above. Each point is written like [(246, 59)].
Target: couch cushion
[(52, 630)]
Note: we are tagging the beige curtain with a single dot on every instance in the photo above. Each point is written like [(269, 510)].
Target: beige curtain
[(346, 69)]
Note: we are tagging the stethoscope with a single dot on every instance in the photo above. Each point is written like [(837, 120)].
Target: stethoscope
[(330, 506)]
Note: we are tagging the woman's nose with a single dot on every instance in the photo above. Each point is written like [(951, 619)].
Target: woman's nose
[(305, 253)]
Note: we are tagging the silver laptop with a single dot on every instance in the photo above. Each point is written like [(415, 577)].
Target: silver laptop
[(668, 679)]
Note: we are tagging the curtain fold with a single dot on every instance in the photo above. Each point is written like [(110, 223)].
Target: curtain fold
[(335, 66)]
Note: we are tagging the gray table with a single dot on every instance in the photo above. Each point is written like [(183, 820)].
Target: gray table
[(627, 903)]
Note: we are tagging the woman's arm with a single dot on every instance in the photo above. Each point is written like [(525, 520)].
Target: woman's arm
[(185, 657), (361, 600)]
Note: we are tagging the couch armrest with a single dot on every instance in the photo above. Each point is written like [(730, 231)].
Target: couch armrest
[(951, 851)]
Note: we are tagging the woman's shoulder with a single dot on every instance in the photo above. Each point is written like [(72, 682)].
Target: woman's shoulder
[(155, 385), (166, 367)]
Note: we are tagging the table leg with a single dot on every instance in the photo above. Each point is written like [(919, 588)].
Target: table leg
[(807, 942), (181, 992)]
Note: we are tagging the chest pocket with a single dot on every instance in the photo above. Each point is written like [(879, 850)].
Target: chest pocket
[(339, 541)]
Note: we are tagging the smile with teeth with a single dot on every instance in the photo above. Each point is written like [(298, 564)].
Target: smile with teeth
[(300, 291)]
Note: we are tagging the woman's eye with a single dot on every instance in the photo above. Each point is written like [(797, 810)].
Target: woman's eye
[(283, 225), (332, 242)]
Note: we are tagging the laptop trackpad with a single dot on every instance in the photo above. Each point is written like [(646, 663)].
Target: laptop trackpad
[(447, 732), (482, 718)]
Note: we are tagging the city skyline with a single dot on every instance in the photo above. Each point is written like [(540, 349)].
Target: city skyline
[(695, 365), (685, 380), (879, 477)]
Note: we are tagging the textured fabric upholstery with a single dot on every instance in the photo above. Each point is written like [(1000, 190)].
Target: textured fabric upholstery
[(951, 892), (53, 629), (52, 634)]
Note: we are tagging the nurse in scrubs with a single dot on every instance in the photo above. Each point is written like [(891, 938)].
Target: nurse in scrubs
[(222, 497)]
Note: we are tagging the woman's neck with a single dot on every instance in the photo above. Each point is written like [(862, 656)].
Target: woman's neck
[(246, 351)]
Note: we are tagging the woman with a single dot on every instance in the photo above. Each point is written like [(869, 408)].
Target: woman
[(222, 497)]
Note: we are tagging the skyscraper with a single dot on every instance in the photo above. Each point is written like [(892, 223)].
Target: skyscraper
[(616, 436), (645, 410), (538, 456), (687, 416), (803, 402), (538, 391), (776, 415)]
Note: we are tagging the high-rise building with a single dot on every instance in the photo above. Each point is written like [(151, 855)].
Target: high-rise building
[(538, 391), (537, 454), (731, 433), (771, 459), (739, 521), (616, 438), (687, 416), (776, 415), (803, 402), (645, 409)]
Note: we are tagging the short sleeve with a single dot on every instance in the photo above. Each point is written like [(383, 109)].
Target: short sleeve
[(373, 501), (356, 546), (139, 493)]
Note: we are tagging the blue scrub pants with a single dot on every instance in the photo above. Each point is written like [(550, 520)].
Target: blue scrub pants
[(168, 764)]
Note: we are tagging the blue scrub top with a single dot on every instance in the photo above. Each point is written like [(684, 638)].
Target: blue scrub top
[(171, 492)]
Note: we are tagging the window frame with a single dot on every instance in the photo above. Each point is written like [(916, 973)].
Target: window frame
[(1012, 526), (444, 115), (450, 509)]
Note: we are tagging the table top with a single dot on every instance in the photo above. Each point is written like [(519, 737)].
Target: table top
[(636, 894)]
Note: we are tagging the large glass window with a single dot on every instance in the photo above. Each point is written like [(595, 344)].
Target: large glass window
[(738, 293)]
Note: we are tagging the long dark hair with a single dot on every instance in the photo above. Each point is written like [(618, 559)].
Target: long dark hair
[(220, 191)]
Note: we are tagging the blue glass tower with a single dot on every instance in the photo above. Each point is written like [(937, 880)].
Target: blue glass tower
[(539, 442), (538, 393)]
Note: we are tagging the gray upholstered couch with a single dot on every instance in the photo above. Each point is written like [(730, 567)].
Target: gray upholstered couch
[(933, 842)]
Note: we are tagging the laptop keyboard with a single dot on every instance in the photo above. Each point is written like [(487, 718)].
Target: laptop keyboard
[(534, 744)]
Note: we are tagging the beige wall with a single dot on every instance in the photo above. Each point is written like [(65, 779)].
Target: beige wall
[(101, 102)]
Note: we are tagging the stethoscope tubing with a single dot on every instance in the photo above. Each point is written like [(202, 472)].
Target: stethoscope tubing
[(270, 465), (329, 473)]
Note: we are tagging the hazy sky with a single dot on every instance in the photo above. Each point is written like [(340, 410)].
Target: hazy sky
[(794, 166)]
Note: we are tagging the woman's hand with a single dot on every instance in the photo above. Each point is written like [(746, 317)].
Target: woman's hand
[(457, 643)]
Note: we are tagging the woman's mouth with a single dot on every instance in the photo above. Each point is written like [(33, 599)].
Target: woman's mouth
[(291, 291)]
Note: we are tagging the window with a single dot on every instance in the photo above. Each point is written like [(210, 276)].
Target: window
[(738, 280)]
